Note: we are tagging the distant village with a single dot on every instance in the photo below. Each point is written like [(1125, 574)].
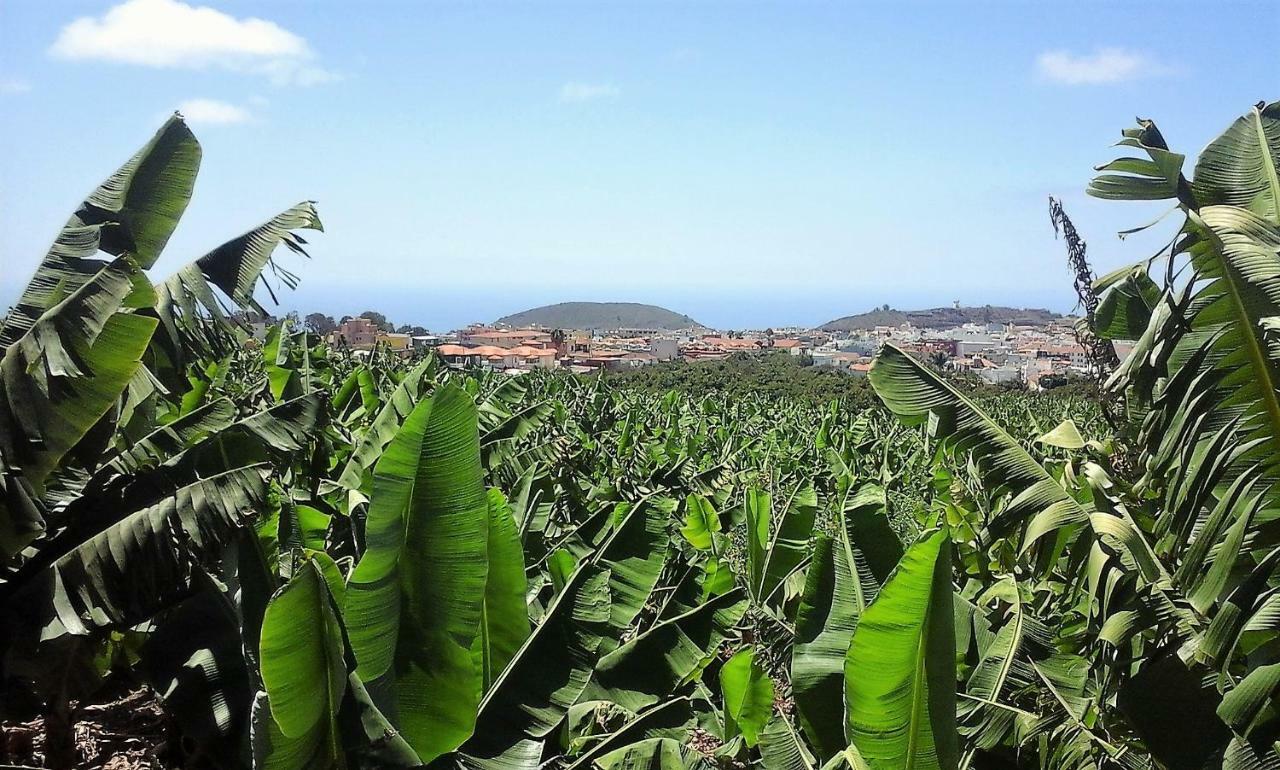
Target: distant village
[(1037, 356)]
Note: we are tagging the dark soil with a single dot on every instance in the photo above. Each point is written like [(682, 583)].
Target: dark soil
[(120, 730)]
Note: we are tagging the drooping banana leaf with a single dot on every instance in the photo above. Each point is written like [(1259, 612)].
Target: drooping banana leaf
[(672, 718), (138, 565), (1039, 504), (1004, 669), (672, 653), (1125, 310), (635, 555), (59, 379), (174, 437), (549, 672), (194, 319), (649, 754), (141, 477), (781, 747)]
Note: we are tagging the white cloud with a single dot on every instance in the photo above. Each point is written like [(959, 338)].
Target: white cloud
[(172, 34), (211, 112), (14, 86), (1104, 65), (573, 93)]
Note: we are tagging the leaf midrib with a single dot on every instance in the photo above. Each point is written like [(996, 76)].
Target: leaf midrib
[(917, 689), (1269, 168)]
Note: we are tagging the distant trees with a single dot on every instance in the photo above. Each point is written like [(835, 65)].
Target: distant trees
[(323, 324), (775, 375), (319, 323), (379, 320)]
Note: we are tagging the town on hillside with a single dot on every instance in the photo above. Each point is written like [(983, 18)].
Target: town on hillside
[(1038, 355)]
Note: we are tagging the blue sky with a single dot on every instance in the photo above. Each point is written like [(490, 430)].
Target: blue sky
[(746, 163)]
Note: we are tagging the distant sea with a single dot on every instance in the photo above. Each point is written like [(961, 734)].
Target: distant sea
[(446, 308)]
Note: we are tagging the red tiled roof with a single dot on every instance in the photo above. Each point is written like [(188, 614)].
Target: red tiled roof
[(479, 350)]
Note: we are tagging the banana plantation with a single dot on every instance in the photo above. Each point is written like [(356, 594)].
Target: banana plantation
[(274, 554)]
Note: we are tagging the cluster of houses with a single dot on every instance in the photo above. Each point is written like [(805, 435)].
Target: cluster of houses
[(1034, 355), (996, 353), (518, 350)]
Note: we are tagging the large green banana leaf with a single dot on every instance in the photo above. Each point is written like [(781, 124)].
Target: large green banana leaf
[(900, 674), (415, 600), (835, 596), (505, 621), (1239, 167), (843, 578), (777, 540), (316, 713), (302, 663), (748, 696), (133, 212)]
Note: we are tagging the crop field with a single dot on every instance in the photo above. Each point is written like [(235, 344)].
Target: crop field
[(217, 551)]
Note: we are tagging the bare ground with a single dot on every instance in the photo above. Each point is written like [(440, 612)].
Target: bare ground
[(121, 730)]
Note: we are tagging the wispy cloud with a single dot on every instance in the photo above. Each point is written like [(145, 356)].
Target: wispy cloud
[(211, 112), (574, 93), (173, 34), (14, 86), (1104, 65)]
